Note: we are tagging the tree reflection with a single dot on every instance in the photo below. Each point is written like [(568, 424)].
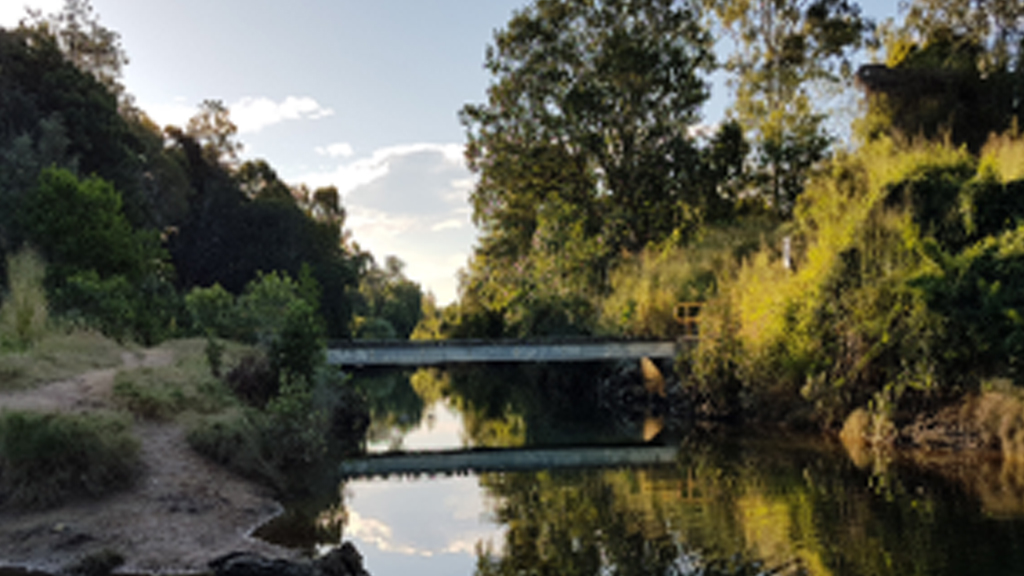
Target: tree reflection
[(747, 509), (395, 407)]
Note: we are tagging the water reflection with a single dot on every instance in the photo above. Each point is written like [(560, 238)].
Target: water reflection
[(751, 505)]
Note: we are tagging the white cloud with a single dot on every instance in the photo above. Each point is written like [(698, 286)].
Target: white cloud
[(175, 113), (409, 200), (336, 150), (249, 114), (355, 173), (378, 225), (254, 114), (450, 224), (377, 533)]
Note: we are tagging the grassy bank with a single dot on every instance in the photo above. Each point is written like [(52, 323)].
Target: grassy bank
[(58, 355)]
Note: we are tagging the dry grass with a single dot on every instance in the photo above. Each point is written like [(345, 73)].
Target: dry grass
[(58, 356), (184, 385)]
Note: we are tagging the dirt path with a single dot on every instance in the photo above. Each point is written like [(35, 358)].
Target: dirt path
[(183, 511)]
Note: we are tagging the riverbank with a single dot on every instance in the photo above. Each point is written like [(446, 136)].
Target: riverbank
[(180, 513)]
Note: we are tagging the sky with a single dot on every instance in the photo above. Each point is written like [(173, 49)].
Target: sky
[(362, 95)]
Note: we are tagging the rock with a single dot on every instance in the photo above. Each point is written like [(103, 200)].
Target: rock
[(250, 564), (344, 560), (101, 563)]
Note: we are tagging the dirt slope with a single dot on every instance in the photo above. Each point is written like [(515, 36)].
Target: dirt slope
[(183, 511)]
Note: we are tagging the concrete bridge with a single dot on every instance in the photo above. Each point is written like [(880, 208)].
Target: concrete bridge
[(507, 460), (434, 352)]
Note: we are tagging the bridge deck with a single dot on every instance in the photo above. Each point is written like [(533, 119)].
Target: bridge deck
[(506, 460), (453, 352)]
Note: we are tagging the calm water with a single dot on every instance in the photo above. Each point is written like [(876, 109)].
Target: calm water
[(726, 505)]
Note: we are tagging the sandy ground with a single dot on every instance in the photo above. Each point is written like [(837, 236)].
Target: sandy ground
[(183, 511)]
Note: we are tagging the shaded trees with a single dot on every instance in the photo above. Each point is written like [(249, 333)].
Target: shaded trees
[(951, 68), (606, 91)]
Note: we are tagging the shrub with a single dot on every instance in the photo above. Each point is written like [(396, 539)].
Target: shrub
[(296, 430), (46, 459), (237, 439), (213, 311), (25, 311), (253, 380)]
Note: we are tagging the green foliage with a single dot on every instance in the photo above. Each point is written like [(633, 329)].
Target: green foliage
[(297, 429), (980, 293), (275, 313), (101, 270), (373, 329), (79, 225), (905, 290), (214, 352), (953, 69), (24, 310), (391, 304), (599, 122), (45, 459), (429, 326), (183, 386), (213, 311), (646, 288)]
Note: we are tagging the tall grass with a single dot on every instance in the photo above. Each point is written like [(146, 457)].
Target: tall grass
[(646, 288), (24, 313), (848, 325)]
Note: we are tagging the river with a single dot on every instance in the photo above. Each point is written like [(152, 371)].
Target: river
[(751, 503)]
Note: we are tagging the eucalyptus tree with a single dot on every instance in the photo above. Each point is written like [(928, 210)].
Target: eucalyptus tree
[(785, 55)]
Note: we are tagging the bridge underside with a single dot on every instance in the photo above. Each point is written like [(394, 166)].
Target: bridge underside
[(453, 352), (449, 463)]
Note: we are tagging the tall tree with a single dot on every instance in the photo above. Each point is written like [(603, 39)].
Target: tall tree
[(86, 43), (592, 103), (784, 53)]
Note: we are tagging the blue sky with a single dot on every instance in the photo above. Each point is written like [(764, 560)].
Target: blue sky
[(362, 95)]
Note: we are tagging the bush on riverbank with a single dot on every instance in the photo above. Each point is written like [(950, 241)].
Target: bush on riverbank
[(46, 459), (907, 272), (297, 429)]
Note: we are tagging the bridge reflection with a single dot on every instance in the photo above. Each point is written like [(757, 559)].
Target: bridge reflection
[(507, 460)]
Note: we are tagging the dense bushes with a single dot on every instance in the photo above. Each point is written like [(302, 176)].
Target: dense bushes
[(297, 428), (274, 313), (906, 289), (46, 459)]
